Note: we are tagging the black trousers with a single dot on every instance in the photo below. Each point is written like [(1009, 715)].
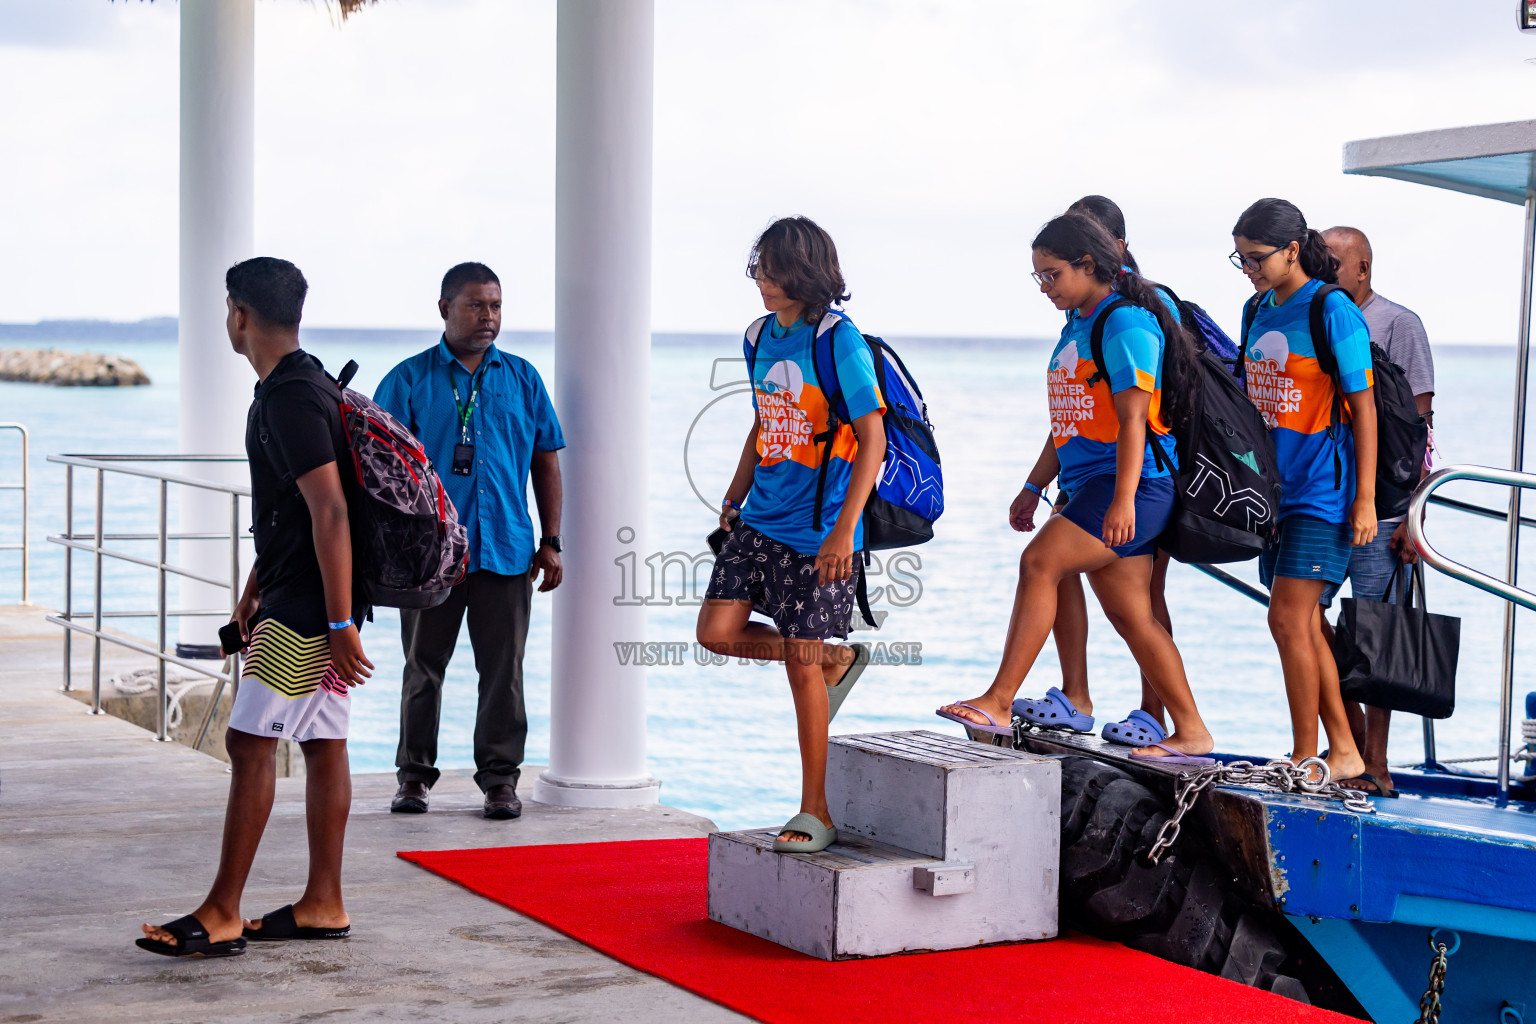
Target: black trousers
[(498, 609)]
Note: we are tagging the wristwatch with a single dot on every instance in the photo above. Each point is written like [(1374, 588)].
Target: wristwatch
[(553, 542)]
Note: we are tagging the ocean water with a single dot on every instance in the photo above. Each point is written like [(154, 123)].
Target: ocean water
[(722, 739)]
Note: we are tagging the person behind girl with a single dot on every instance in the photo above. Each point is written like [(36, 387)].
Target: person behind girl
[(1327, 468), (1071, 706), (775, 558), (1122, 494)]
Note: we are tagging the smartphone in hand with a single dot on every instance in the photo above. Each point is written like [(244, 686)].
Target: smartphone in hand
[(230, 639)]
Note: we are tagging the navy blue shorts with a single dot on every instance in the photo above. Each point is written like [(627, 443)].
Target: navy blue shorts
[(1089, 504), (782, 584), (1309, 549)]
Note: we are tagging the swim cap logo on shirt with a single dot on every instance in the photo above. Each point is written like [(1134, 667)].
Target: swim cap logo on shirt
[(1066, 359), (1273, 348), (784, 376)]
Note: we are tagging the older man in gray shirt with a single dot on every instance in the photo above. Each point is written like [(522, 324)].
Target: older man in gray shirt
[(1399, 332)]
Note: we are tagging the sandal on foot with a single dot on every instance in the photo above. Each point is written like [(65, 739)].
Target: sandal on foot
[(1055, 711), (1372, 787), (991, 730), (1173, 756), (1137, 729), (191, 940), (280, 925), (806, 824), (839, 693)]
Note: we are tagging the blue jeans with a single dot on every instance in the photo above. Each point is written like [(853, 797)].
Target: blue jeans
[(1370, 569)]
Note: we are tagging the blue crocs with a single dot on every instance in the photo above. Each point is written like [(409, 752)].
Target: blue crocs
[(1055, 711), (1138, 729)]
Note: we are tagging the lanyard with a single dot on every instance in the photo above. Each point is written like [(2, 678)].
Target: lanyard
[(465, 411)]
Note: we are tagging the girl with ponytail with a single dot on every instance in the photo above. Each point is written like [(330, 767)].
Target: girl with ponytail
[(1112, 449), (1146, 723), (1326, 449)]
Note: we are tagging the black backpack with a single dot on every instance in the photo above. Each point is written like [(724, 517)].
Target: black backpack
[(1402, 435), (1227, 486)]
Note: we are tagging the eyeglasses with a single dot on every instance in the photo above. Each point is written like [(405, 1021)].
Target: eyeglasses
[(1046, 278), (1250, 263)]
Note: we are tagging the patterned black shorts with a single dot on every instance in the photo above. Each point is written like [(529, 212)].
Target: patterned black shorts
[(781, 583)]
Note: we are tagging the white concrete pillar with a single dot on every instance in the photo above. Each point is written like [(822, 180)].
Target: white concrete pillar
[(602, 392), (218, 198)]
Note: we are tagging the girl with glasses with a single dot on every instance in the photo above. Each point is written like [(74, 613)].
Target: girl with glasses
[(1326, 449), (1112, 449), (1071, 706)]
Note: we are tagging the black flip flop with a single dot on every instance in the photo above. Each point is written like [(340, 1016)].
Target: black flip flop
[(1375, 784), (280, 925), (192, 940)]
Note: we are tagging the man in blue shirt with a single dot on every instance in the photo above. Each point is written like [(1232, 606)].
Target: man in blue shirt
[(487, 424)]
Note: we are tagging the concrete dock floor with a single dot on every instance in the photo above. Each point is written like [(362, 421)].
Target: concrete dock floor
[(101, 828)]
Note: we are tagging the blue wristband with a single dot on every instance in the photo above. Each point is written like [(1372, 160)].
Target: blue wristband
[(341, 625), (728, 502), (1038, 490)]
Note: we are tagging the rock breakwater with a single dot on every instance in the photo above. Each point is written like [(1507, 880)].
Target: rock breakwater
[(69, 369)]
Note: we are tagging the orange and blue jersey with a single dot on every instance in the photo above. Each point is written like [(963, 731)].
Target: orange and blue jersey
[(792, 409), (1084, 423), (1296, 396)]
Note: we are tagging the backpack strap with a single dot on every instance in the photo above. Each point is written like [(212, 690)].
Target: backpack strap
[(861, 594), (749, 345), (1250, 310), (1096, 340), (824, 366), (1096, 346), (1317, 326)]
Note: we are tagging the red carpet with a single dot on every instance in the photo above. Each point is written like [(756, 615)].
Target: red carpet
[(643, 903)]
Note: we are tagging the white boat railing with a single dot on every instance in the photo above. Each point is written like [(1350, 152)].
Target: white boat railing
[(26, 533), (1505, 589), (95, 543)]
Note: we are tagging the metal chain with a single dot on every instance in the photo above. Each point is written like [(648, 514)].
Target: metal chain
[(1429, 1005), (1311, 777)]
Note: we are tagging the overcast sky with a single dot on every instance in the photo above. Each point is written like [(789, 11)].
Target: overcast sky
[(931, 138)]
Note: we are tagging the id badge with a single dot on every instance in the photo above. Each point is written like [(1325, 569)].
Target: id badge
[(463, 459)]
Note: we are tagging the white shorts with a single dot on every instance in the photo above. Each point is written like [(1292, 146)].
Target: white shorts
[(288, 689)]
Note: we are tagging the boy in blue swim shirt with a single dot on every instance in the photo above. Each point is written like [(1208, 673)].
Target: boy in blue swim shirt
[(786, 555)]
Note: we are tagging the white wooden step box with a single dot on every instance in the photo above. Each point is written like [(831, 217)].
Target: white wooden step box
[(942, 844)]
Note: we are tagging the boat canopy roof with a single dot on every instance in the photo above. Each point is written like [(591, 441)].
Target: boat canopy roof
[(1496, 161)]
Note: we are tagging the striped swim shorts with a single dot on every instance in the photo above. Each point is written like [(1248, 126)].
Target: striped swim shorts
[(1308, 549), (288, 687)]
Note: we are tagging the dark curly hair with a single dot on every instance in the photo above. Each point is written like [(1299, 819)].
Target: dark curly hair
[(798, 256)]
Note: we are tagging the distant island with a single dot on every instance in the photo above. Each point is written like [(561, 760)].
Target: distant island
[(158, 328), (69, 369)]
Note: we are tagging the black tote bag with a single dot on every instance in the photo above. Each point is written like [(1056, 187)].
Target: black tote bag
[(1398, 656)]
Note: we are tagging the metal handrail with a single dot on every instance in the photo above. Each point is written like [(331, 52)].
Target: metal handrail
[(95, 544), (1505, 589), (1435, 560), (26, 536), (1477, 510), (1242, 586)]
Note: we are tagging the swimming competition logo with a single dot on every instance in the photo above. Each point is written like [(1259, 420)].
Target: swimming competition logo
[(1273, 348), (1066, 359), (784, 377)]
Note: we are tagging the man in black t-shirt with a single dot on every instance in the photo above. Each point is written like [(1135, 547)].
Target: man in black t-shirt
[(297, 615)]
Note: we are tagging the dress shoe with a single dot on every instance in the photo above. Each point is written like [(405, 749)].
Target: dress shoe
[(410, 798), (501, 802)]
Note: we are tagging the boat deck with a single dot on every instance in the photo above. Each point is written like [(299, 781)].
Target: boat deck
[(101, 828), (1423, 858)]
